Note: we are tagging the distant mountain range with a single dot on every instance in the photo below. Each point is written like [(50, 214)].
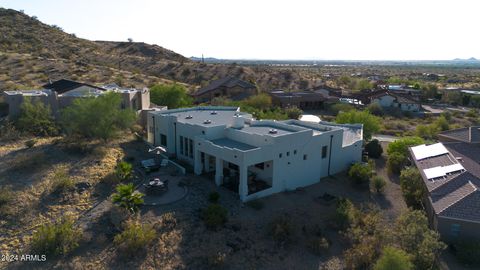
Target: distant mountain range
[(469, 59)]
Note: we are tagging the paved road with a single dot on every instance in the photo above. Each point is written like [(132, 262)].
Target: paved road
[(385, 138)]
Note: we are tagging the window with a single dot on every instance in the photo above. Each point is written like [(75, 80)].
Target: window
[(190, 148), (185, 141), (324, 151), (280, 155), (181, 145), (455, 229), (294, 152), (163, 139), (288, 154), (304, 157), (261, 166)]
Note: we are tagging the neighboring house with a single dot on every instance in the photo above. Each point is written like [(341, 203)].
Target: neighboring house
[(229, 87), (451, 173), (255, 158), (388, 99), (15, 98), (62, 93), (305, 100)]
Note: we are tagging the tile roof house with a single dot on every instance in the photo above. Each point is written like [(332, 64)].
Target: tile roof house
[(314, 99), (451, 173), (230, 87)]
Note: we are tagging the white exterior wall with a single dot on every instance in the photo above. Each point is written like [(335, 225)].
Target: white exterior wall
[(288, 172), (385, 101)]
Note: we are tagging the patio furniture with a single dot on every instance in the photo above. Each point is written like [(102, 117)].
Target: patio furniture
[(156, 186)]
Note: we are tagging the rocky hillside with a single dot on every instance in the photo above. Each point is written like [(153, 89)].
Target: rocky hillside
[(32, 52)]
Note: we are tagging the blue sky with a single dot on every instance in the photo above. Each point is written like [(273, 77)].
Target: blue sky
[(254, 29)]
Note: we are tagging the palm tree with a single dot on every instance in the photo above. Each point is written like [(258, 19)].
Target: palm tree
[(126, 197), (124, 170)]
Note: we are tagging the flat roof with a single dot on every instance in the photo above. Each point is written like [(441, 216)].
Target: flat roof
[(42, 92), (204, 116), (266, 129), (229, 143)]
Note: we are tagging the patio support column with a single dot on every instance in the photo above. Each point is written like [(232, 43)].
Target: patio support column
[(243, 182), (198, 163), (218, 171), (207, 163)]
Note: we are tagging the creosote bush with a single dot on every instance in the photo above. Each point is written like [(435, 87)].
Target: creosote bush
[(214, 197), (135, 237), (360, 173), (374, 148), (378, 184), (281, 230), (56, 238), (214, 216), (61, 181)]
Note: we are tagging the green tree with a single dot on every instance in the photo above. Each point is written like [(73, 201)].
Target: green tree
[(97, 118), (171, 95), (412, 233), (442, 123), (260, 102), (363, 84), (124, 170), (374, 148), (393, 259), (371, 123), (126, 197), (36, 118), (412, 187), (401, 145)]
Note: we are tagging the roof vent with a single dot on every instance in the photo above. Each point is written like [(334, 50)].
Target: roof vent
[(273, 131), (188, 117), (213, 113), (207, 122)]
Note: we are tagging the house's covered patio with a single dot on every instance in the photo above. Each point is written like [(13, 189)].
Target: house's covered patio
[(242, 179)]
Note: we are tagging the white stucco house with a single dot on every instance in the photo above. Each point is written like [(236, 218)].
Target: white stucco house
[(387, 99), (255, 158)]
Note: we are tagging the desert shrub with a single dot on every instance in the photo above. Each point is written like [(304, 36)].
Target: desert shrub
[(360, 173), (345, 213), (393, 259), (214, 197), (374, 148), (412, 233), (293, 112), (82, 118), (61, 181), (411, 184), (341, 107), (396, 162), (378, 184), (36, 118), (8, 130), (281, 229), (375, 109), (6, 198), (135, 237), (318, 245), (468, 252), (126, 197), (255, 204), (260, 102), (56, 238), (427, 132), (216, 259), (30, 143), (124, 170), (214, 216), (27, 162), (472, 113)]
